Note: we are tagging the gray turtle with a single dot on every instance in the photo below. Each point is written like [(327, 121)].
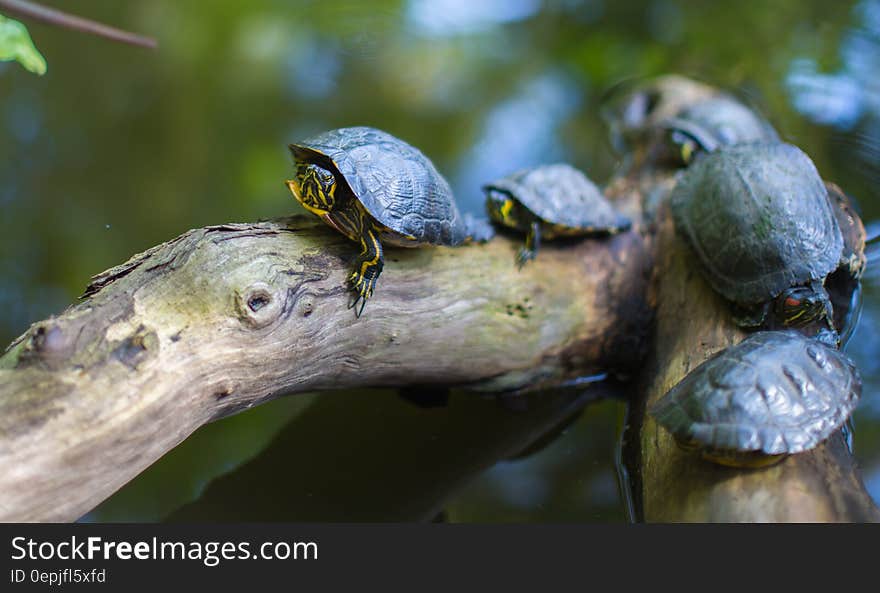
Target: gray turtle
[(773, 394), (375, 188), (720, 121), (551, 201), (760, 222)]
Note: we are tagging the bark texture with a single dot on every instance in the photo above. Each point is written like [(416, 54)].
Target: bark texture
[(224, 318)]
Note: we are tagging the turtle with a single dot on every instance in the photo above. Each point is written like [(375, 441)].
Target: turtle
[(550, 201), (669, 120), (775, 393), (758, 217), (376, 189), (635, 109), (709, 124), (844, 284)]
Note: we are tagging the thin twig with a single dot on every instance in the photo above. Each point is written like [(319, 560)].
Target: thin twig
[(58, 18)]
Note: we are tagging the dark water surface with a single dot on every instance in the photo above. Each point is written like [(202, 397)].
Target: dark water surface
[(117, 149)]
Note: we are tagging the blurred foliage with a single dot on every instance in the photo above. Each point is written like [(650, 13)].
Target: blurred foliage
[(16, 44), (118, 148)]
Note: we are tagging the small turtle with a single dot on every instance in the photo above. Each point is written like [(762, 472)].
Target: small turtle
[(710, 124), (375, 188), (551, 201), (759, 219), (773, 394)]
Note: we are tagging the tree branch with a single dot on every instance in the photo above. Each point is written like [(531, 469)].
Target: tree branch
[(64, 20), (226, 317)]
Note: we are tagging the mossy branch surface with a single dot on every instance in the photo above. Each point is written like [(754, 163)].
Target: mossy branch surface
[(226, 317)]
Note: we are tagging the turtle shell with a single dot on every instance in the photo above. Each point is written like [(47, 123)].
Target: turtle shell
[(562, 195), (853, 258), (396, 183), (759, 220), (843, 285), (776, 392), (721, 121)]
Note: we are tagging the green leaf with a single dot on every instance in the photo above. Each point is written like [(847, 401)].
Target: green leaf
[(16, 44)]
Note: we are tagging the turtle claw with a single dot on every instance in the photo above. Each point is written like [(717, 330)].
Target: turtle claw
[(523, 256), (353, 305), (363, 286), (529, 251)]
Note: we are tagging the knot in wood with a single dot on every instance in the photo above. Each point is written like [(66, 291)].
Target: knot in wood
[(48, 339), (137, 348), (258, 305), (48, 345)]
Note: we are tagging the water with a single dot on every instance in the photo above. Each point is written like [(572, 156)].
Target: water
[(117, 149)]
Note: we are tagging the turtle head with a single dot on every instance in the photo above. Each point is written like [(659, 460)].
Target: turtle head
[(502, 207), (802, 305), (684, 146), (314, 187)]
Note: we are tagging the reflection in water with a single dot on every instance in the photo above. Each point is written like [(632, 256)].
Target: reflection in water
[(627, 462), (371, 456), (872, 231), (215, 449), (842, 98), (872, 269), (518, 133), (832, 99), (519, 485), (570, 478), (865, 350), (455, 17), (848, 99), (872, 480)]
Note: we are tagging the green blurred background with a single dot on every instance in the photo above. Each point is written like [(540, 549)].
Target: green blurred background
[(117, 148)]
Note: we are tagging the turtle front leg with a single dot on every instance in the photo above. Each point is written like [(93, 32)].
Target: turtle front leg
[(367, 266), (533, 242), (750, 317)]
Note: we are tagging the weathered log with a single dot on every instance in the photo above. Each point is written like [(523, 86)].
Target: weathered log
[(692, 323), (224, 318)]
